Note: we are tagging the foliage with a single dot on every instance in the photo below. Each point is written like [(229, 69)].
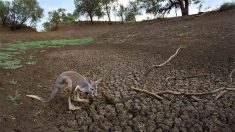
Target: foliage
[(56, 17), (69, 18), (130, 16), (24, 10), (107, 5), (227, 6), (161, 7), (15, 99), (99, 13), (89, 8), (47, 26), (4, 12), (151, 6), (132, 11), (121, 12)]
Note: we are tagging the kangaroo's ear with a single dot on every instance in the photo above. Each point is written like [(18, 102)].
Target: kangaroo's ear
[(98, 81)]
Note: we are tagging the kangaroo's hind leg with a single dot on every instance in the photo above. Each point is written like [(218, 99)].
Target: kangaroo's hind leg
[(68, 90), (71, 106)]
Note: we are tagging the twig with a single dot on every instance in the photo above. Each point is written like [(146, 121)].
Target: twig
[(192, 95), (220, 94), (162, 64), (231, 76), (197, 99), (147, 92), (185, 77)]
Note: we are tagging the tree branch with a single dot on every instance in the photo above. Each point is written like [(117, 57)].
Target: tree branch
[(221, 91), (162, 64)]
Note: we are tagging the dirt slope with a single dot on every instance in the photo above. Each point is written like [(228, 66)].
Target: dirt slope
[(121, 54)]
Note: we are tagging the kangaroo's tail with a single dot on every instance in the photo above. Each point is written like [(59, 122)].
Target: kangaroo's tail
[(52, 95)]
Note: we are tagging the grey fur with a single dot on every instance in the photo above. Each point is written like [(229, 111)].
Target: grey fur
[(70, 79)]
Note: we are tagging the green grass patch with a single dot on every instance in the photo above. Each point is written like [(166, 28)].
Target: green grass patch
[(8, 58), (12, 64), (47, 43), (4, 56)]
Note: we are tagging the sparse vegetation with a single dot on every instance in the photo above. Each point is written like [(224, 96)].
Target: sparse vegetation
[(191, 90), (100, 101), (226, 6), (13, 82), (9, 61), (141, 125), (89, 8), (19, 12), (4, 56), (158, 106), (10, 64), (31, 60), (15, 98), (47, 43)]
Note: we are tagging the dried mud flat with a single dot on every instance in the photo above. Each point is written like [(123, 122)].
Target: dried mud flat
[(121, 55)]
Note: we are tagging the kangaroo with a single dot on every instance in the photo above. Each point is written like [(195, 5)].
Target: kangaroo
[(72, 83)]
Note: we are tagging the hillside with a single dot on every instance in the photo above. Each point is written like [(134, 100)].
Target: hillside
[(121, 54)]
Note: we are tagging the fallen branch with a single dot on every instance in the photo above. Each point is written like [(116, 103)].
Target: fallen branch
[(221, 91), (185, 77), (148, 92), (220, 94), (192, 95), (162, 64), (231, 76)]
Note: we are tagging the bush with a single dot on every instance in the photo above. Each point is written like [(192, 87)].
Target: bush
[(227, 6)]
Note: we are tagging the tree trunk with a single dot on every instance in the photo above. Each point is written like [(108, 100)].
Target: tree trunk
[(91, 17), (108, 13), (184, 7), (122, 18)]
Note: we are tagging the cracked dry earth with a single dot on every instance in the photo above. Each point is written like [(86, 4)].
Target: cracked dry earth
[(121, 55)]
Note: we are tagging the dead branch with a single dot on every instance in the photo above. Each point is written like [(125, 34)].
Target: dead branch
[(231, 76), (220, 94), (185, 77), (197, 99), (162, 64), (192, 95), (221, 91), (148, 92)]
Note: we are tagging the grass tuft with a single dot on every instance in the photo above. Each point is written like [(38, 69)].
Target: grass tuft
[(4, 56), (12, 64), (13, 82), (15, 99)]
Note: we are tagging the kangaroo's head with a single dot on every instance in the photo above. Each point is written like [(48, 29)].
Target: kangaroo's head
[(94, 86)]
